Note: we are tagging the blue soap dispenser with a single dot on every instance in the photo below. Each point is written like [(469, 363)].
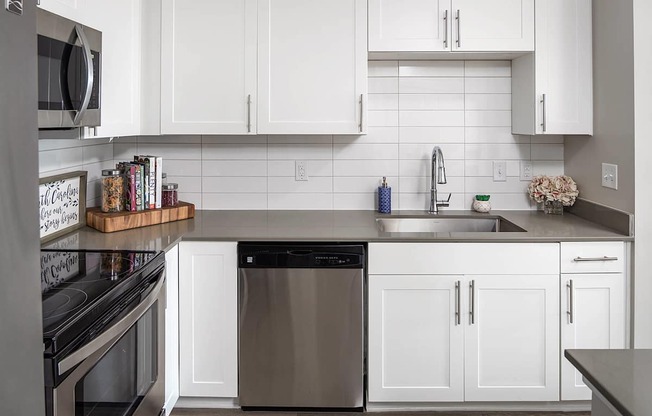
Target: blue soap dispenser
[(384, 198)]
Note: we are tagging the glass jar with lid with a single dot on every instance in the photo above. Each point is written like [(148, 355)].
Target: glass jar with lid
[(112, 190), (170, 195)]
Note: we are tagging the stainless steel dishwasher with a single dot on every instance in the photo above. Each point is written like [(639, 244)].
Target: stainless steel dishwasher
[(301, 326)]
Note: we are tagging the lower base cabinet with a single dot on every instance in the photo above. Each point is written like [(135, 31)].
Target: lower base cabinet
[(208, 315), (436, 338), (171, 328)]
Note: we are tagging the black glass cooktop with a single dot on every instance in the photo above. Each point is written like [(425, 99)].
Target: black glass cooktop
[(80, 287)]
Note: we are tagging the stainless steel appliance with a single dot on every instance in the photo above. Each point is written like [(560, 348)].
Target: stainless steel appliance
[(69, 73), (301, 326), (21, 348), (103, 332)]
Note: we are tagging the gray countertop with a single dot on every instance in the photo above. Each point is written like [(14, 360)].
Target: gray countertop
[(329, 226), (623, 377)]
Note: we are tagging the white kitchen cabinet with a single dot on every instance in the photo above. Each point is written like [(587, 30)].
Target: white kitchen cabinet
[(312, 66), (208, 333), (592, 317), (451, 25), (416, 342), (171, 328), (553, 88), (593, 305), (208, 67), (512, 338), (120, 24), (509, 314)]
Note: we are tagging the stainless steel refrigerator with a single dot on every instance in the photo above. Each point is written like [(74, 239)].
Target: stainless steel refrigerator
[(21, 333)]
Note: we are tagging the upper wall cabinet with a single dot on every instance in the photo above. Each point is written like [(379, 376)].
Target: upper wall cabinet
[(312, 66), (120, 24), (552, 89), (208, 67), (451, 25)]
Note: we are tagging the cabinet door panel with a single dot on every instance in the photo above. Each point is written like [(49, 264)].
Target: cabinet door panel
[(311, 83), (415, 346), (172, 328), (564, 71), (208, 66), (598, 312), (414, 25), (497, 25), (512, 345), (208, 334)]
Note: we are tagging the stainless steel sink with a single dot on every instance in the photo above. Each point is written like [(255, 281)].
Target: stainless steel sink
[(441, 224)]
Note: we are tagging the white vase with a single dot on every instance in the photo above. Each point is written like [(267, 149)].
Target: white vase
[(481, 206)]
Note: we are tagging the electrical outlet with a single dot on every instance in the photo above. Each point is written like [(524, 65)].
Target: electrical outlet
[(526, 170), (500, 171), (610, 176), (300, 170)]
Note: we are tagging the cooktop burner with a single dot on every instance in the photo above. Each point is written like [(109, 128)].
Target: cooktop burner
[(79, 287)]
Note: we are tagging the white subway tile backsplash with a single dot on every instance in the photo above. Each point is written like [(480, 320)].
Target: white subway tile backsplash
[(372, 168), (431, 85), (431, 118), (488, 118), (383, 68), (488, 102), (488, 69), (488, 86), (463, 107), (285, 184), (234, 168), (300, 201), (383, 102), (365, 151), (431, 134), (430, 102), (382, 118), (217, 184), (288, 168), (431, 69), (383, 85)]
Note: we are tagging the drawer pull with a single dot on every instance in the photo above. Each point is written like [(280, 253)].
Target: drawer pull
[(605, 258)]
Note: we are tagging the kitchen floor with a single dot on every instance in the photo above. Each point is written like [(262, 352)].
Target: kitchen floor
[(235, 412)]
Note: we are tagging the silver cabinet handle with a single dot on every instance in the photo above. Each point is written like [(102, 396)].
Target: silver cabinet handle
[(88, 60), (249, 113), (361, 111), (458, 318), (459, 20), (604, 258), (569, 312), (543, 119), (472, 306), (445, 28)]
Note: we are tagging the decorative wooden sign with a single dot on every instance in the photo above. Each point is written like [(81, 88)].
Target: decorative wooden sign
[(62, 204)]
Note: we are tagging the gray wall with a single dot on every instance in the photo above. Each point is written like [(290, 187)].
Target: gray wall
[(613, 91), (21, 333)]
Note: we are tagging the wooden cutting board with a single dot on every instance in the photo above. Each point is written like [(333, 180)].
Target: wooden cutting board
[(109, 222)]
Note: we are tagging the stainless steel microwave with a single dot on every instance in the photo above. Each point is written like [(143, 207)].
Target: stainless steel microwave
[(69, 73)]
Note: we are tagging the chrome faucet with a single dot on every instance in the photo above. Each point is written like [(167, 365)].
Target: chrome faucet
[(437, 176)]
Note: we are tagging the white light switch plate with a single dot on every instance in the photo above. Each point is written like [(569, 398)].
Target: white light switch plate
[(500, 171), (526, 170), (610, 176)]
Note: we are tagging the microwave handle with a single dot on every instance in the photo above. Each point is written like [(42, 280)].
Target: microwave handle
[(117, 330), (88, 59)]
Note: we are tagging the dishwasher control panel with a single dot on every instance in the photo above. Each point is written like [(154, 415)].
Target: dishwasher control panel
[(292, 256)]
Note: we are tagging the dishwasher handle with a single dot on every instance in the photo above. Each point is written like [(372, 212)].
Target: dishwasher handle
[(300, 252)]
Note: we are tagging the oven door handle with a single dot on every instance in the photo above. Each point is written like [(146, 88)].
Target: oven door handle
[(115, 331), (88, 59)]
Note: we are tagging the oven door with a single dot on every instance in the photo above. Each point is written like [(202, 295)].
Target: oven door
[(120, 372)]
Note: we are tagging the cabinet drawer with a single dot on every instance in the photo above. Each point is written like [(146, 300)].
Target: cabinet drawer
[(593, 257)]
